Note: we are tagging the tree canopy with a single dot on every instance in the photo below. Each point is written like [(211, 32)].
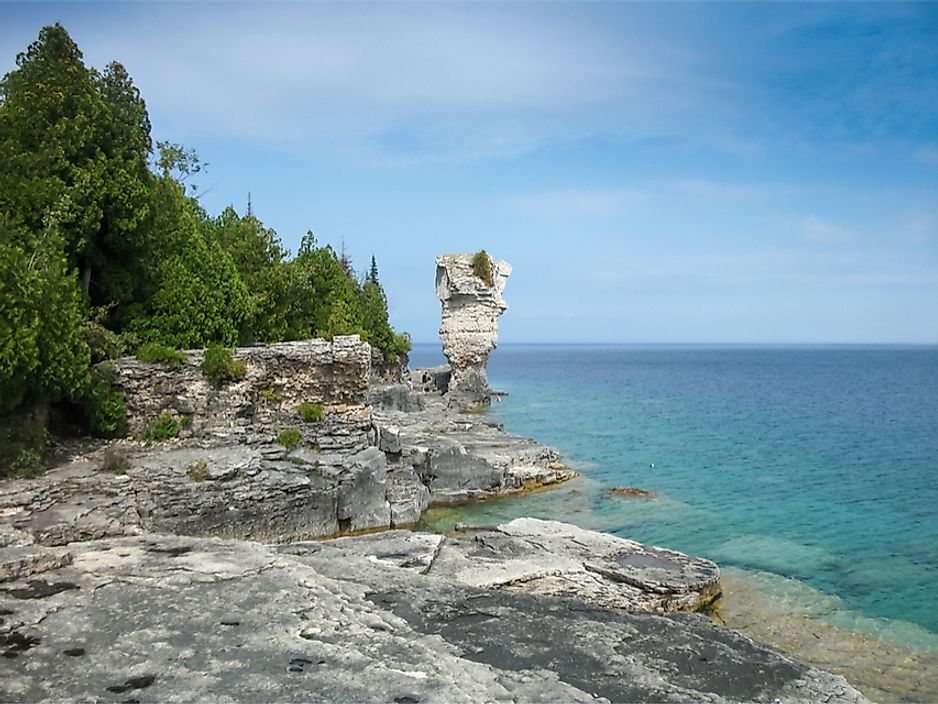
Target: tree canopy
[(104, 245)]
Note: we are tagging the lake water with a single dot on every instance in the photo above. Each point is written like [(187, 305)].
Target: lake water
[(809, 474)]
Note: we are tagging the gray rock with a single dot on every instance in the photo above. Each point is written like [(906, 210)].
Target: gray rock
[(362, 493), (469, 328), (163, 618)]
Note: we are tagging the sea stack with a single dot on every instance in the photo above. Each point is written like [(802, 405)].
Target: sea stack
[(470, 289)]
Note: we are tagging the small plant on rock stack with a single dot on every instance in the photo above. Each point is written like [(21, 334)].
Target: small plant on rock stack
[(290, 438), (198, 471), (166, 427), (310, 412), (161, 354), (482, 267), (219, 365), (270, 395)]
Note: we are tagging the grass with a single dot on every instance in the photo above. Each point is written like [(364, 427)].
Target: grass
[(161, 354), (198, 471), (270, 396), (115, 461), (219, 365)]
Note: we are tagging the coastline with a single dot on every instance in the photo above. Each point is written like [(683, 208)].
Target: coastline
[(80, 549)]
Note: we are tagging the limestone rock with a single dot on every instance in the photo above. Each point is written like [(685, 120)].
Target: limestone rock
[(164, 618), (469, 329)]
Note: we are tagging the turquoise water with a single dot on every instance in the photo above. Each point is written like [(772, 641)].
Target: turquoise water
[(818, 464)]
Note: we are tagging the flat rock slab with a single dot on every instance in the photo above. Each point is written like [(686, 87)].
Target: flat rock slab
[(161, 618)]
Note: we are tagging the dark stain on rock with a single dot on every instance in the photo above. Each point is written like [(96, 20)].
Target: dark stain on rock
[(406, 699), (74, 652), (175, 551), (230, 623), (14, 643), (38, 589), (140, 682)]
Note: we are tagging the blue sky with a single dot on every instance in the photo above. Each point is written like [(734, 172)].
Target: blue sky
[(655, 172)]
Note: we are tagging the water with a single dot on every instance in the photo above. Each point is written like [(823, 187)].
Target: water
[(810, 472)]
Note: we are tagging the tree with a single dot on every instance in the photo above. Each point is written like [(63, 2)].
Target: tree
[(43, 355), (49, 157)]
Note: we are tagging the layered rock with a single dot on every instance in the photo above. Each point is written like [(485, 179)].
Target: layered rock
[(278, 378), (469, 329)]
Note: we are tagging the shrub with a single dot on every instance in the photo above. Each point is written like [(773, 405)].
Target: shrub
[(219, 365), (161, 354), (115, 461), (27, 463), (290, 438), (103, 343), (185, 421), (23, 444), (166, 427), (270, 395), (310, 412), (482, 267), (104, 406), (198, 471)]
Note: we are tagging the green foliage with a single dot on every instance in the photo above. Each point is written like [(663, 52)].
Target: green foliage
[(43, 354), (198, 471), (115, 461), (161, 354), (104, 344), (290, 438), (482, 267), (219, 366), (270, 396), (166, 427), (104, 406), (310, 412)]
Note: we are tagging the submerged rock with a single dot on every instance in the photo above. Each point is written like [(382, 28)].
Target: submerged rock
[(469, 329)]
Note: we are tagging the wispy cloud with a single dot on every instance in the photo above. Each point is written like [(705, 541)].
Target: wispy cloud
[(818, 231)]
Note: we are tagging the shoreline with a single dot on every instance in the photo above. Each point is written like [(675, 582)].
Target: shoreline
[(79, 537)]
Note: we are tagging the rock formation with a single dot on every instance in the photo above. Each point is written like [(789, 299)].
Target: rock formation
[(469, 329)]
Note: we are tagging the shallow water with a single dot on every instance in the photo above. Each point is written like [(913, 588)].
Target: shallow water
[(809, 474)]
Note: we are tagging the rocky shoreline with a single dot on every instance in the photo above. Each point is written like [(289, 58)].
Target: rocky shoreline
[(212, 567), (156, 586)]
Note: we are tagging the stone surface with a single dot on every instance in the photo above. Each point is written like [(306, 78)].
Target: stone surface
[(366, 619), (278, 378), (469, 327)]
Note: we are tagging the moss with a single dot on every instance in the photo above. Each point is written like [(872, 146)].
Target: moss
[(166, 427), (219, 365), (161, 354), (115, 461), (290, 438), (483, 268), (310, 412), (198, 471)]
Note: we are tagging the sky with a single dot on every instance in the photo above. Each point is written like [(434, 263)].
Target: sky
[(667, 172)]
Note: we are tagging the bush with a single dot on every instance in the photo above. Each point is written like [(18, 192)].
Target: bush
[(103, 343), (482, 267), (219, 366), (115, 461), (104, 406), (161, 354), (310, 412), (198, 471), (290, 438), (23, 443), (166, 427)]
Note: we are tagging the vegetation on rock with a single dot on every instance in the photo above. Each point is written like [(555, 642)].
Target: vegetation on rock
[(290, 438), (310, 412), (166, 427), (482, 267), (219, 365), (198, 471), (161, 354), (115, 461)]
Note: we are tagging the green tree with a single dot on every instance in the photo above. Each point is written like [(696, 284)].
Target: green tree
[(43, 354), (49, 156), (259, 258)]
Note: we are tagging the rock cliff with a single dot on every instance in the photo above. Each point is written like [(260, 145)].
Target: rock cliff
[(469, 329)]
